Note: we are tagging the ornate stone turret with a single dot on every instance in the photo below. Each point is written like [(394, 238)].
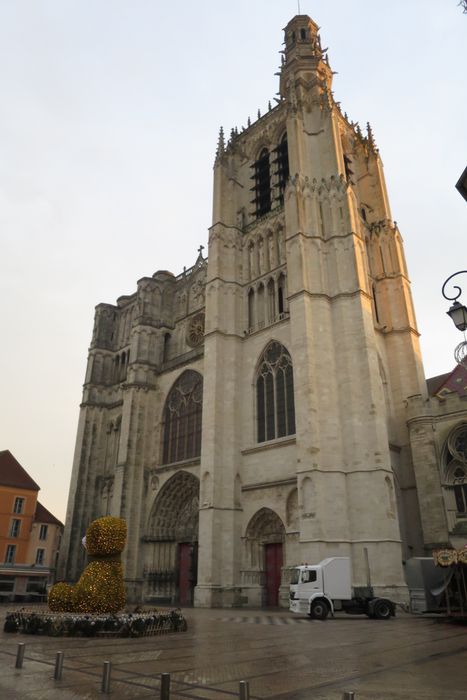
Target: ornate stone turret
[(304, 58)]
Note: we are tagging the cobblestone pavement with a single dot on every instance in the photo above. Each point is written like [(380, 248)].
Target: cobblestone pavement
[(282, 656)]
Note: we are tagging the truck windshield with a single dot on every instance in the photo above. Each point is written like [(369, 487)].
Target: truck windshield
[(295, 576)]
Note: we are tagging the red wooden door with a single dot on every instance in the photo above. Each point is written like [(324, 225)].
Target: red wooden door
[(187, 572), (273, 572)]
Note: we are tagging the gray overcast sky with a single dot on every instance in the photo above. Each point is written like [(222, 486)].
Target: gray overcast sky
[(108, 129)]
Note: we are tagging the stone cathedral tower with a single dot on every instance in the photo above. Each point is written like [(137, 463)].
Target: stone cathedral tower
[(249, 414)]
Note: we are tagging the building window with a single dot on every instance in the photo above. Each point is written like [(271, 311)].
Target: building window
[(262, 186), (43, 532), (19, 505), (40, 556), (7, 583), (37, 584), (182, 419), (15, 528), (460, 489), (281, 294), (282, 168), (10, 554), (275, 410), (276, 163), (455, 460)]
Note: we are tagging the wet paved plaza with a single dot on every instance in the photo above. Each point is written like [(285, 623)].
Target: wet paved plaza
[(282, 656)]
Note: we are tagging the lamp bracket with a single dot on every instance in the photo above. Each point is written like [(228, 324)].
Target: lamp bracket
[(455, 287)]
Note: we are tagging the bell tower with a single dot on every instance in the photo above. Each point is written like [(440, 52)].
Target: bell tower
[(249, 413), (347, 320)]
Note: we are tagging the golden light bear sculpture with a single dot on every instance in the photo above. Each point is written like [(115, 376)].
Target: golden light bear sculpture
[(100, 588)]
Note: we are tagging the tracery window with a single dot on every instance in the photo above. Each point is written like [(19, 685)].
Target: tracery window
[(460, 489), (275, 409), (456, 467), (182, 419)]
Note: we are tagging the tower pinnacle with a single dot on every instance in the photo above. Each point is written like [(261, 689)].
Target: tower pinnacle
[(303, 51)]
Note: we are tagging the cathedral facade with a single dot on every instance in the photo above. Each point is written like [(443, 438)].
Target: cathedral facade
[(249, 414)]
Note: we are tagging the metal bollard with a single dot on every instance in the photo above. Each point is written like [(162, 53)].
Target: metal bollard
[(20, 655), (105, 687), (348, 695), (244, 690), (165, 686), (58, 666)]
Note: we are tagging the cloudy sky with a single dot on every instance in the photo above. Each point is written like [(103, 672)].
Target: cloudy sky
[(108, 129)]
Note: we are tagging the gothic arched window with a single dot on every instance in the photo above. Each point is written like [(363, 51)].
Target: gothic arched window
[(182, 419), (460, 489), (262, 186), (455, 459), (282, 162), (275, 410)]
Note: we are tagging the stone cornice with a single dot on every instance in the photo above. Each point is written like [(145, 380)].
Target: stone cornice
[(101, 404), (220, 279), (266, 275), (175, 466), (270, 445), (272, 214), (395, 448), (137, 386), (216, 331), (185, 359), (433, 417), (353, 541), (327, 239), (345, 472), (270, 484), (328, 297)]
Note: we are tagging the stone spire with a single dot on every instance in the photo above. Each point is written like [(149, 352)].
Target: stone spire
[(370, 137), (220, 144)]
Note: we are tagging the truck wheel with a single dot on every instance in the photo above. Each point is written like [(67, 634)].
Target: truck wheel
[(319, 610), (382, 610)]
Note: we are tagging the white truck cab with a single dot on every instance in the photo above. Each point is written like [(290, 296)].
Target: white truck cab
[(319, 589)]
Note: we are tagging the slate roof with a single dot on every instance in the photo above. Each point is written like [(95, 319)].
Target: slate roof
[(45, 516), (13, 474), (443, 384)]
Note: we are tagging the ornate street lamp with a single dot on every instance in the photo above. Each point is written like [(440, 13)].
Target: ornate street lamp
[(458, 313)]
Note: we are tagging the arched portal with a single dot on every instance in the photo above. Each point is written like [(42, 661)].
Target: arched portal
[(264, 539), (171, 560)]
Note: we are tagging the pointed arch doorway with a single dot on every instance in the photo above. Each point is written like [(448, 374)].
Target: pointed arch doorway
[(265, 537), (173, 540)]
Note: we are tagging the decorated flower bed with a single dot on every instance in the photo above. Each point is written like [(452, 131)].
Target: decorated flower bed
[(138, 624), (93, 607)]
